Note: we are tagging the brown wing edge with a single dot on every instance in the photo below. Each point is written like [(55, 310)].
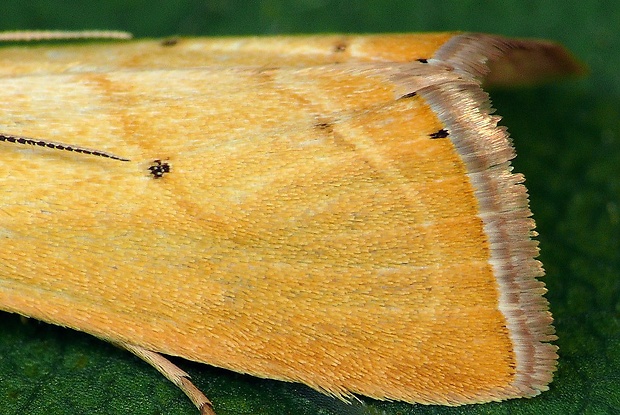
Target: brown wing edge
[(500, 61), (486, 149)]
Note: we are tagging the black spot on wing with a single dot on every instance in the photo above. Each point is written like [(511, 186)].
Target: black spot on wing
[(409, 95), (443, 133), (159, 168)]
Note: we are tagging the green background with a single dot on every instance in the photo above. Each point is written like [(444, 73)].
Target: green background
[(568, 139)]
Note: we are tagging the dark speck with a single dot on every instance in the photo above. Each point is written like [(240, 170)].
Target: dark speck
[(443, 133), (169, 42), (340, 47), (325, 126), (159, 168), (409, 95)]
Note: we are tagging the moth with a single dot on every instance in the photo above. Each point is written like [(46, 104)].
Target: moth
[(335, 210)]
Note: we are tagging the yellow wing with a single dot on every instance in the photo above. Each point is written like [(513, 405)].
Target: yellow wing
[(337, 211)]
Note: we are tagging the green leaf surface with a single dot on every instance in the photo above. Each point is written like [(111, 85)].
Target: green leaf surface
[(568, 140)]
